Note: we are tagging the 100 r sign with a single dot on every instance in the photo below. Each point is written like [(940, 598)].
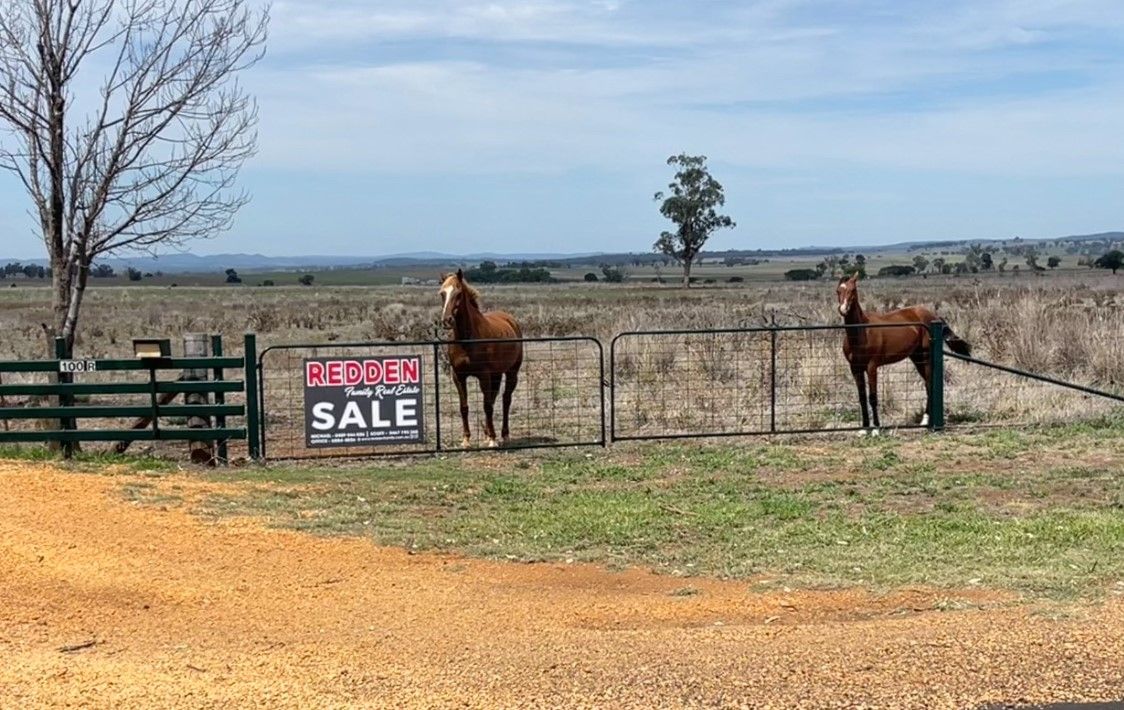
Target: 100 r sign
[(363, 401)]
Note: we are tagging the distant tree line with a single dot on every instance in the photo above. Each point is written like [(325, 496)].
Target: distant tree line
[(488, 272), (976, 260), (31, 271)]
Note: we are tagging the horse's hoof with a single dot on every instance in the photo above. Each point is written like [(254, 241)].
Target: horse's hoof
[(466, 443), (925, 420), (860, 433), (875, 432), (492, 444)]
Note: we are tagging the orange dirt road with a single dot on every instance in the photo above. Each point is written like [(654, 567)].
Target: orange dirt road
[(188, 613)]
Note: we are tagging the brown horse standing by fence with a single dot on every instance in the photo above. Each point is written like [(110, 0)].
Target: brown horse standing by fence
[(868, 349), (487, 362)]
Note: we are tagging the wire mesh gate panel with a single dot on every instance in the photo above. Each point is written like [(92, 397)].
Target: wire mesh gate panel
[(680, 384), (558, 401)]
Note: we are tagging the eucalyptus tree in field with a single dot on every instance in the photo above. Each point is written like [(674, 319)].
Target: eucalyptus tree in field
[(124, 122), (1111, 260), (690, 203)]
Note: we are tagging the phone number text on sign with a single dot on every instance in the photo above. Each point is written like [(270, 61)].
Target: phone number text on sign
[(363, 401)]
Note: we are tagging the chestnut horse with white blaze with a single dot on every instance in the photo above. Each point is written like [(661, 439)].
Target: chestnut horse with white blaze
[(487, 362), (868, 349)]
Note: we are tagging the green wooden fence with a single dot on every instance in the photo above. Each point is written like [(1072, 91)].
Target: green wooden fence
[(65, 414)]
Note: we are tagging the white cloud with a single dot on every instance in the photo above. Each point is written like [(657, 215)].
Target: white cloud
[(300, 24), (779, 83)]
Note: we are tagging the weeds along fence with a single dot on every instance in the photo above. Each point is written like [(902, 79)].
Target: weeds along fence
[(982, 393), (559, 400), (134, 400)]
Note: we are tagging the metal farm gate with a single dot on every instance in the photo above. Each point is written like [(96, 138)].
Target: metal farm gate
[(795, 380), (750, 381), (559, 400)]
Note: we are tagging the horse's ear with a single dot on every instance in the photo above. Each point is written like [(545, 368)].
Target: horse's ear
[(460, 274), (855, 277)]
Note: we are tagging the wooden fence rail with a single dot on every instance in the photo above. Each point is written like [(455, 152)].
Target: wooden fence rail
[(206, 422)]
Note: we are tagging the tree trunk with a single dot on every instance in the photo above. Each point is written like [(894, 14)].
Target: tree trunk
[(60, 296), (687, 272), (78, 279), (198, 345), (69, 288)]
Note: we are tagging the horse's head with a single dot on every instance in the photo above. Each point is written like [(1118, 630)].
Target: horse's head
[(847, 293), (454, 292)]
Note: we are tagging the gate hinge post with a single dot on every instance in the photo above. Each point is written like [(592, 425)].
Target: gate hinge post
[(936, 375)]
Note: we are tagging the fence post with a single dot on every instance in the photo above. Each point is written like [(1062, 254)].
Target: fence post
[(197, 345), (613, 388), (253, 403), (936, 375), (601, 389), (437, 396), (62, 352), (220, 398), (773, 377)]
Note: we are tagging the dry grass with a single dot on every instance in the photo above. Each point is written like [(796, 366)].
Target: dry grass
[(1066, 326)]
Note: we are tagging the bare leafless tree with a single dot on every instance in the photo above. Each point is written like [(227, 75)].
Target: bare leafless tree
[(125, 122)]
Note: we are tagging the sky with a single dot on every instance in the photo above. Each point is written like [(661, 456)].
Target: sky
[(545, 125)]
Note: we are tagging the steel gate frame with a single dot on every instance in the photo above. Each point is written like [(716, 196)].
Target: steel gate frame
[(434, 356), (936, 409)]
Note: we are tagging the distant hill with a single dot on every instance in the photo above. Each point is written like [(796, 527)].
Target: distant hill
[(198, 264), (212, 263)]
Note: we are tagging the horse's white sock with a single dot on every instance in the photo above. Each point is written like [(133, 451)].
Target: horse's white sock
[(924, 420)]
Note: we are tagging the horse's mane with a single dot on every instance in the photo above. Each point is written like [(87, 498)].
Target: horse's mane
[(471, 293)]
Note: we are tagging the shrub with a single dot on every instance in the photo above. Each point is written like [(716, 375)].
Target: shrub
[(612, 274), (591, 277), (1112, 260), (801, 274), (897, 270)]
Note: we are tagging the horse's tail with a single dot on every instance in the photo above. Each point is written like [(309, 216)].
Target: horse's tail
[(956, 343)]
